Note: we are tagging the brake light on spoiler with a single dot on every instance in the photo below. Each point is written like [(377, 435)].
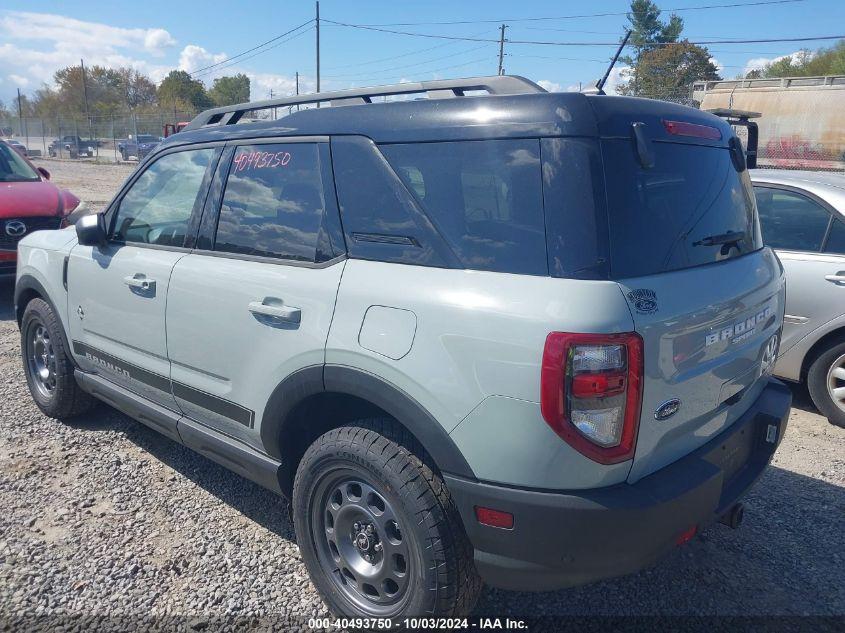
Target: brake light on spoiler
[(683, 128), (591, 392)]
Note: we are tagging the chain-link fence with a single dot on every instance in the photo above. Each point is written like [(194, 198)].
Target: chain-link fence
[(801, 120), (104, 137)]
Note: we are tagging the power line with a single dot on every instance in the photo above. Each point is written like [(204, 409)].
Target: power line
[(254, 48), (428, 61), (394, 57), (432, 71), (588, 15), (261, 52), (546, 43)]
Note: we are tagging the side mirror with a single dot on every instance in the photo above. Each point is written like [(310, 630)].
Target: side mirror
[(91, 229), (44, 173)]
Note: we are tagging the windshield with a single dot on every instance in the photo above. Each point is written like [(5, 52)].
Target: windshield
[(13, 168), (146, 138), (691, 208)]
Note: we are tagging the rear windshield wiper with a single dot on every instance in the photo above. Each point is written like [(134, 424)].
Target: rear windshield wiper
[(731, 237)]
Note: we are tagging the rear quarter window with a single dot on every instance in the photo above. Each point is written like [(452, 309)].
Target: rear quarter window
[(484, 197)]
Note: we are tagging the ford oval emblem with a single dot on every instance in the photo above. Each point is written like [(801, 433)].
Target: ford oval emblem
[(667, 409)]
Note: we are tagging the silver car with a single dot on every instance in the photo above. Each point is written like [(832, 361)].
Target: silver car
[(802, 215)]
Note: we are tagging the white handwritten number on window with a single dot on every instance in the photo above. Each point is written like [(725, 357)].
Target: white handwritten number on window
[(261, 160)]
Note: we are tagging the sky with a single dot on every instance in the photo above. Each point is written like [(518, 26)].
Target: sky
[(156, 36)]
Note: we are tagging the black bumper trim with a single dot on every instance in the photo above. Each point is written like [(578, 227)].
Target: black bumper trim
[(563, 539)]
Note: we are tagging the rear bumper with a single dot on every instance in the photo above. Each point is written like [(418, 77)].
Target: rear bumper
[(563, 539)]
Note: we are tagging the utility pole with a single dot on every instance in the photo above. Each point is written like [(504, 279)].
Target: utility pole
[(502, 48), (20, 116), (297, 89), (274, 109), (318, 49), (85, 96)]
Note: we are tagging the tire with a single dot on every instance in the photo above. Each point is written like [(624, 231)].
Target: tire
[(47, 364), (371, 473), (123, 155), (826, 383)]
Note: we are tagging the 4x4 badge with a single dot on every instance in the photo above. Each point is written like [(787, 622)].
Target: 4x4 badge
[(644, 300)]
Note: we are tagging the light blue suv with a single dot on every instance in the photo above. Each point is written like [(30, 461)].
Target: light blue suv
[(515, 337)]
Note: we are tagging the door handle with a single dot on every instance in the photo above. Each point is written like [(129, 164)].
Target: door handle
[(279, 312), (139, 281), (838, 278)]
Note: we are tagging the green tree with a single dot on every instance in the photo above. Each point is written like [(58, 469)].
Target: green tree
[(179, 90), (825, 61), (136, 88), (662, 66), (230, 90), (666, 72)]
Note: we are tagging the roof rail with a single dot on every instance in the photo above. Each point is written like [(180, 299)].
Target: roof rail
[(435, 89)]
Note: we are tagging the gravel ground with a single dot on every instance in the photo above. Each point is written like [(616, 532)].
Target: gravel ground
[(106, 517), (95, 183)]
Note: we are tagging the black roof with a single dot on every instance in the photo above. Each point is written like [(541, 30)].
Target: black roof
[(527, 115)]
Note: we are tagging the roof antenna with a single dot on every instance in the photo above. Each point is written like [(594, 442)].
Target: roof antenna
[(603, 80)]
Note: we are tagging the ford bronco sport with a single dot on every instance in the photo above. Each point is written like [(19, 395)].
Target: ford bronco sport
[(493, 335)]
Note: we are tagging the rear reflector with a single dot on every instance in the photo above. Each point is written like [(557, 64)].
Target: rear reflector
[(8, 256), (686, 535), (682, 128), (494, 518)]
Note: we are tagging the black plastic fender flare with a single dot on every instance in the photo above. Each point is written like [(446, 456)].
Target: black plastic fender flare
[(351, 381)]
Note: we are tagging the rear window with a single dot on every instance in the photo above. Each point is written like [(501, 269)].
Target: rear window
[(484, 197), (691, 208)]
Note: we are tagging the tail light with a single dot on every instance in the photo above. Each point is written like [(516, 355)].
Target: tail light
[(590, 392)]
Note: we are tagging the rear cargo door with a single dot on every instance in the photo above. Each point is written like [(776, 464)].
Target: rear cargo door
[(705, 296)]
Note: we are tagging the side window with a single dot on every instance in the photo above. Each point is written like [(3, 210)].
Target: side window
[(485, 197), (789, 220), (381, 220), (836, 239), (158, 206), (274, 203)]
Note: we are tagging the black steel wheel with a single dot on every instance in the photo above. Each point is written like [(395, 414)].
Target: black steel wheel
[(47, 364), (377, 529)]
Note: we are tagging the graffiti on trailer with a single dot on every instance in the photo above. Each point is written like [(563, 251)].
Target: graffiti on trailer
[(260, 160)]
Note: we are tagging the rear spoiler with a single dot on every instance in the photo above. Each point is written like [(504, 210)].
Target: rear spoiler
[(743, 118)]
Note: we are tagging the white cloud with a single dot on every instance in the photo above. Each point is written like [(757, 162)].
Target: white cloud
[(81, 34), (157, 39), (758, 63), (551, 86), (719, 66), (618, 75), (35, 45), (194, 57)]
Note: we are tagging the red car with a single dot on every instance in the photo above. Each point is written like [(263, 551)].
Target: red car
[(28, 202)]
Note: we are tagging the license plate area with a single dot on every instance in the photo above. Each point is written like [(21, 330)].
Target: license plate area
[(735, 457)]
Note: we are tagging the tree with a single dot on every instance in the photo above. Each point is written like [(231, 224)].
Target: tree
[(136, 88), (805, 63), (178, 90), (666, 72), (102, 85), (662, 66), (230, 90)]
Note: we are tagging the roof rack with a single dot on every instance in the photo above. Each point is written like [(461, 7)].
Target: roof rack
[(436, 89)]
